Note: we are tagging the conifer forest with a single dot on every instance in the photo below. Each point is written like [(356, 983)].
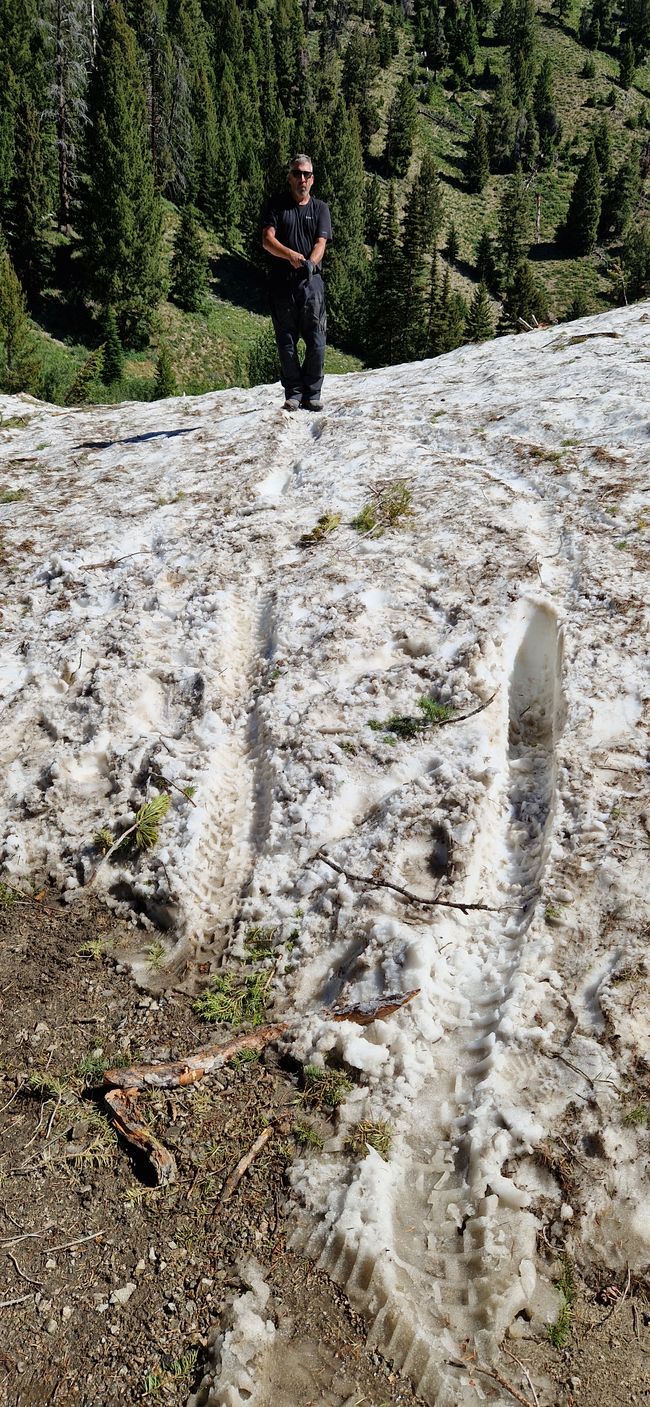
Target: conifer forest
[(485, 162)]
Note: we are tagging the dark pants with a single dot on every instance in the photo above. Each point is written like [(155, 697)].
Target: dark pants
[(301, 313)]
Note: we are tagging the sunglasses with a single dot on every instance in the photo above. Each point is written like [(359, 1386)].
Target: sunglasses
[(302, 175)]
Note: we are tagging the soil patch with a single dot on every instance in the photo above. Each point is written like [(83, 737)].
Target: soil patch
[(113, 1290)]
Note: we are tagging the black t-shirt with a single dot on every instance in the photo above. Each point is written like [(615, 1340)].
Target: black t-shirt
[(296, 226)]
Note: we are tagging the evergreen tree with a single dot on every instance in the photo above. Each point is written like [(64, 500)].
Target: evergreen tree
[(502, 125), (479, 326), (601, 136), (402, 123), (121, 215), (28, 214), (523, 46), (373, 210), (450, 250), (636, 261), (580, 229), (436, 48), (225, 189), (478, 156), (385, 304), (19, 367), (525, 298), (431, 202), (627, 63), (188, 267), (148, 20), (546, 116), (412, 337), (486, 264), (515, 224), (506, 22), (71, 42), (85, 384), (620, 198), (341, 184), (165, 383), (113, 364)]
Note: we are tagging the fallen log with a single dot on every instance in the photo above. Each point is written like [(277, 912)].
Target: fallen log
[(173, 1074)]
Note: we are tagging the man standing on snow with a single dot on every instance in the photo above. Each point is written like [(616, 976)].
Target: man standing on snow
[(296, 228)]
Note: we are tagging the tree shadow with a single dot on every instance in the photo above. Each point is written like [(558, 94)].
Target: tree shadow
[(238, 282), (540, 253), (138, 439)]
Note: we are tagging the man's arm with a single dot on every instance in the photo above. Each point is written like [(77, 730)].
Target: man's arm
[(318, 250), (281, 251)]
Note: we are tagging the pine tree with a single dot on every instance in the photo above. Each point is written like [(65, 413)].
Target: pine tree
[(224, 203), (479, 326), (515, 224), (580, 229), (502, 125), (400, 135), (85, 383), (113, 364), (71, 42), (478, 156), (450, 250), (627, 63), (412, 338), (548, 122), (525, 298), (522, 44), (188, 267), (431, 202), (601, 136), (28, 214), (620, 198), (486, 264), (341, 184), (373, 210), (121, 215), (19, 366), (636, 261), (385, 310), (165, 383)]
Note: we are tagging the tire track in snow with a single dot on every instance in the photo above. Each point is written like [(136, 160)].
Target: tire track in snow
[(233, 810), (458, 1259)]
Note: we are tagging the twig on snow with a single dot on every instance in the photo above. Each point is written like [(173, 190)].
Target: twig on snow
[(406, 894), (503, 1382), (524, 1371), (232, 1183)]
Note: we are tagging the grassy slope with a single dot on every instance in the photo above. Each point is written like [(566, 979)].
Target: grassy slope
[(209, 349), (446, 125)]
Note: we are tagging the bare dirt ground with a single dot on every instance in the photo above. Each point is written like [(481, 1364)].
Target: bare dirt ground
[(112, 1290)]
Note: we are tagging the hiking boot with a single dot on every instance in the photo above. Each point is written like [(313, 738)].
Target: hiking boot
[(312, 403), (291, 403)]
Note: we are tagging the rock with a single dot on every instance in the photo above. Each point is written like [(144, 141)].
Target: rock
[(66, 1312), (123, 1295), (51, 1326)]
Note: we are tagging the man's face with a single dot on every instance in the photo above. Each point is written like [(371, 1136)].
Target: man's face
[(300, 179)]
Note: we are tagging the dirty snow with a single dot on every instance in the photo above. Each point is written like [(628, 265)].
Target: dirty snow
[(164, 627)]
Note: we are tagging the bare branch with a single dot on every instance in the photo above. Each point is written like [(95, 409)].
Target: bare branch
[(406, 894)]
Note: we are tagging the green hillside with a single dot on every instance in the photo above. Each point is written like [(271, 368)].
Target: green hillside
[(128, 128)]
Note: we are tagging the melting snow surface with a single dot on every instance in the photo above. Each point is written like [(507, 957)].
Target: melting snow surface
[(164, 623)]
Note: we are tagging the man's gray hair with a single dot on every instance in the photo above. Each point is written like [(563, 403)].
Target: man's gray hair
[(302, 157)]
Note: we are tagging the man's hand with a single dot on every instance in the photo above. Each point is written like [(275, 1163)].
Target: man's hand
[(295, 259)]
